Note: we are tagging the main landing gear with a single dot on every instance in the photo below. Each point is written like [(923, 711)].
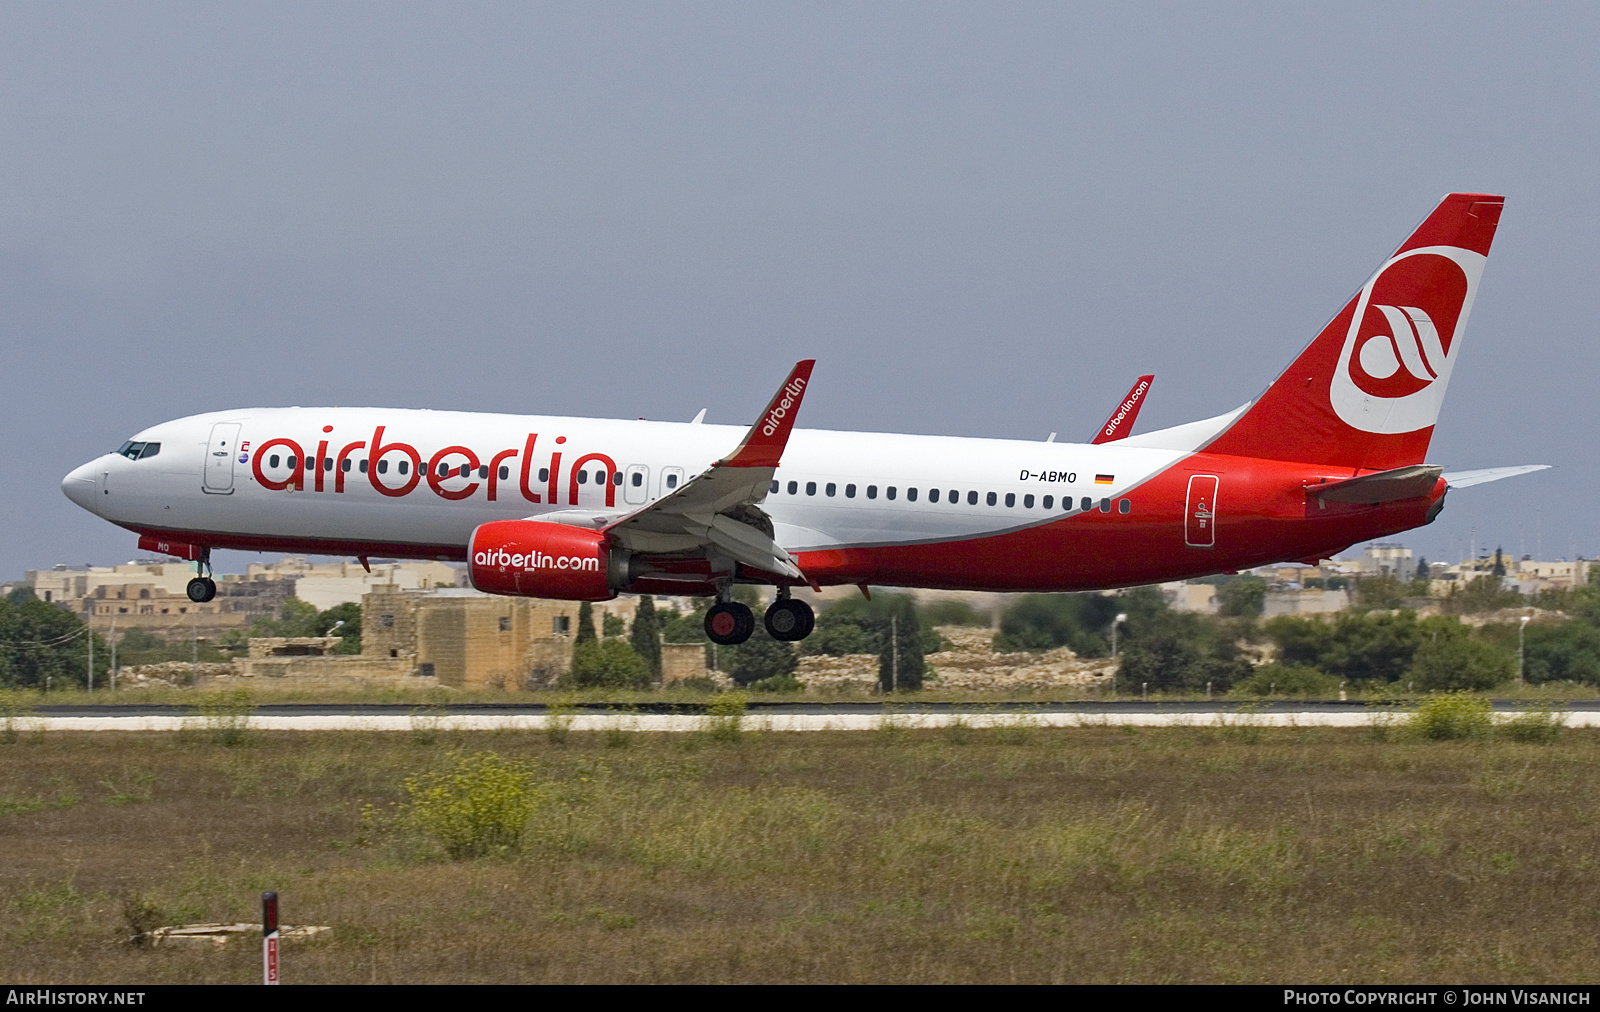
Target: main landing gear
[(729, 623), (202, 588)]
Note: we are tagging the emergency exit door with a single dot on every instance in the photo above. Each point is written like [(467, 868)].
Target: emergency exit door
[(1200, 512), (219, 458)]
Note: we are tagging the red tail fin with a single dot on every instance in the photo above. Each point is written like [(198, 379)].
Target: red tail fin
[(1122, 416), (1366, 392)]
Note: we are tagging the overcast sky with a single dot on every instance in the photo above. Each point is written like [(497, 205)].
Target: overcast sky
[(981, 219)]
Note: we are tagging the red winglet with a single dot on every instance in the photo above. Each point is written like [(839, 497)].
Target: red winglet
[(763, 444), (1121, 421)]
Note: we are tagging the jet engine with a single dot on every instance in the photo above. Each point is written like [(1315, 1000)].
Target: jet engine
[(531, 558)]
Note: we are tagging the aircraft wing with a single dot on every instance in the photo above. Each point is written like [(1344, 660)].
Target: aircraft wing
[(719, 509), (1466, 479), (1121, 421)]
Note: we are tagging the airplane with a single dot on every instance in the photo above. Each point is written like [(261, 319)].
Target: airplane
[(1332, 453)]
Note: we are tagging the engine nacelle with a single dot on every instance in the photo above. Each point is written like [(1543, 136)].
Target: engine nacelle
[(530, 558)]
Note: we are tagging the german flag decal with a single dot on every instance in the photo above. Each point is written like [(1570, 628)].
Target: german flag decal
[(1104, 479)]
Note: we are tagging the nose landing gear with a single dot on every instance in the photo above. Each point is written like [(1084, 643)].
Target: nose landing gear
[(202, 588)]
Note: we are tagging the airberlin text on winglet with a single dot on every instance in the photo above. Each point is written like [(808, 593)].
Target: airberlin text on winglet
[(1127, 406), (791, 390)]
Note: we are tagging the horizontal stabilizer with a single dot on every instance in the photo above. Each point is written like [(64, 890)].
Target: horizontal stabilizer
[(1466, 479), (1411, 482)]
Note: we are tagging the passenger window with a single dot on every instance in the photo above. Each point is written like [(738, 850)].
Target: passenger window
[(911, 495), (794, 487), (849, 491), (672, 480), (583, 477), (1027, 501), (872, 491), (466, 470), (1105, 505), (383, 467), (505, 472), (405, 465), (774, 490), (1049, 502), (483, 470), (150, 450), (1124, 506), (888, 493), (544, 474), (293, 461), (272, 461), (972, 498), (1086, 504), (638, 479), (327, 463), (811, 488), (363, 467), (830, 489), (933, 495), (616, 478), (344, 465), (1011, 499), (990, 499)]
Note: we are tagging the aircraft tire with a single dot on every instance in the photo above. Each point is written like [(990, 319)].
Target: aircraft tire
[(730, 623), (790, 621), (201, 589)]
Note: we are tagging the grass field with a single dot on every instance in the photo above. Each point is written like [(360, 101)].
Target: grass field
[(1017, 854)]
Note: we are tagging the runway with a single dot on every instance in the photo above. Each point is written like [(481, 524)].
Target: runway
[(770, 716)]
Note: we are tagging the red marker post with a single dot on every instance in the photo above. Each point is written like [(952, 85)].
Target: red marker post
[(269, 938)]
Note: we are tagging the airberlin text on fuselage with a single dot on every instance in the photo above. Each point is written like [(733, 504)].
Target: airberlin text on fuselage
[(536, 560), (330, 460)]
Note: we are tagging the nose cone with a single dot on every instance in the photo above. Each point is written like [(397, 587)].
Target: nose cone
[(79, 486)]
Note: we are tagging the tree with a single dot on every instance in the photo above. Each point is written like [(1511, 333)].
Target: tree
[(20, 594), (1178, 650), (759, 658), (1450, 657), (1499, 562), (1241, 596), (585, 624), (607, 664), (900, 645), (611, 626), (43, 646), (1568, 651), (344, 621), (1356, 646), (646, 635), (1485, 593), (1081, 622)]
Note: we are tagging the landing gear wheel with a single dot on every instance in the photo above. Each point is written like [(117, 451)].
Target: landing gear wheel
[(790, 620), (729, 623), (201, 589)]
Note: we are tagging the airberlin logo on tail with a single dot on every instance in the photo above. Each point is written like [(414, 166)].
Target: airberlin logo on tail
[(791, 391), (536, 560), (1403, 339), (1125, 407)]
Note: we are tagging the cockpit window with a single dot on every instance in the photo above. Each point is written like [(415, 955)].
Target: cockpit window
[(150, 450), (131, 450)]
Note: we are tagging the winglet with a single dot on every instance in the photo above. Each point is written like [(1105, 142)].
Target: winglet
[(1121, 421), (763, 444)]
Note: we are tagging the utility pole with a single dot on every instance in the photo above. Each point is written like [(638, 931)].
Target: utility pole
[(91, 646), (894, 653), (1522, 668), (113, 652)]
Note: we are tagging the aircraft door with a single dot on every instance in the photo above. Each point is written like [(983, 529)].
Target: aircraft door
[(636, 484), (219, 457), (671, 480), (1200, 512)]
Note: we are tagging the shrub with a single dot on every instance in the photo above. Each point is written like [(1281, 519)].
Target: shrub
[(607, 664), (226, 716), (952, 612), (1081, 622), (1452, 716), (479, 805), (1287, 680), (725, 716), (778, 683), (1535, 725)]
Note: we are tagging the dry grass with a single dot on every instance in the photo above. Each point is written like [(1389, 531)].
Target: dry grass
[(1018, 854)]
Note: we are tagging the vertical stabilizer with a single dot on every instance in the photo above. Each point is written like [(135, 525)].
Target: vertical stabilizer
[(1366, 392)]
